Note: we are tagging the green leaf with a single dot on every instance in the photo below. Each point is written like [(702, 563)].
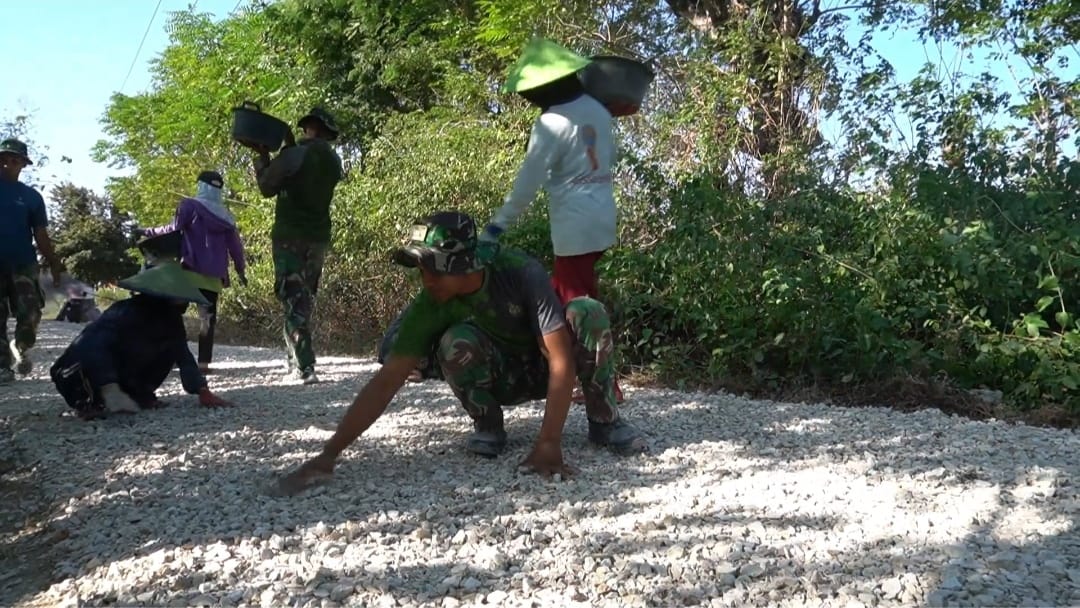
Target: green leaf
[(1048, 282), (1033, 323), (1063, 319), (1044, 302)]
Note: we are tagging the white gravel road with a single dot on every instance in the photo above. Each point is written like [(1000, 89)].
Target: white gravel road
[(741, 503)]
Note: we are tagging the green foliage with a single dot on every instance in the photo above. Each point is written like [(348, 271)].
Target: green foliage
[(955, 277), (749, 247), (90, 236), (361, 289), (182, 126)]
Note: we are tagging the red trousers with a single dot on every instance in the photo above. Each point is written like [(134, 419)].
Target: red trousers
[(575, 276)]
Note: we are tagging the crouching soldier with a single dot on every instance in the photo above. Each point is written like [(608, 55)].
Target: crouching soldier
[(501, 338), (429, 365), (117, 363)]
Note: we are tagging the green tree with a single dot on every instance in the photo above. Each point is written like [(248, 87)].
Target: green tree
[(91, 237), (748, 249), (182, 125)]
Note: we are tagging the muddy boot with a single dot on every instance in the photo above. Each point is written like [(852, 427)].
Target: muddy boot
[(489, 437), (620, 437)]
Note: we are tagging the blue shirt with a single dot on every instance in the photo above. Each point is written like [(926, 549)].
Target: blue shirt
[(22, 210)]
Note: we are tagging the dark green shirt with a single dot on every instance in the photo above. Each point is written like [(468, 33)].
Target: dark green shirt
[(516, 307), (303, 178)]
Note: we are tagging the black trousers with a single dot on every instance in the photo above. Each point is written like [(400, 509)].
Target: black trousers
[(208, 320), (75, 388)]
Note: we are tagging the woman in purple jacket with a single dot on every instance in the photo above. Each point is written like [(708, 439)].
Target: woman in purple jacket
[(210, 238)]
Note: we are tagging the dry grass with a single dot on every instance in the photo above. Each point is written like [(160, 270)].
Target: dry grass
[(903, 393)]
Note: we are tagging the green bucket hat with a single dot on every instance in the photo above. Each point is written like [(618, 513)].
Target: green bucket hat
[(166, 280), (16, 147), (322, 116), (541, 62), (444, 243)]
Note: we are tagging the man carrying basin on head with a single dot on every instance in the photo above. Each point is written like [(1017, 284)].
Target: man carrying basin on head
[(23, 221), (303, 178), (503, 338), (117, 363)]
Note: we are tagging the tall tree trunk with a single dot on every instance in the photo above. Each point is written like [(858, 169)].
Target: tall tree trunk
[(776, 66)]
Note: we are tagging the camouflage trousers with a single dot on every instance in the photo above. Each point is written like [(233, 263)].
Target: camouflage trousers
[(21, 297), (484, 376), (298, 268)]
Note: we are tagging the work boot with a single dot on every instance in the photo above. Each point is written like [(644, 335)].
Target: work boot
[(23, 364), (302, 376), (489, 437), (620, 437)]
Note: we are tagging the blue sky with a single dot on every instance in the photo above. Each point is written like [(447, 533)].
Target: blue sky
[(67, 57), (72, 55)]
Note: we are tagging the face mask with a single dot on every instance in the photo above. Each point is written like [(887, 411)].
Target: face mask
[(211, 198), (207, 192)]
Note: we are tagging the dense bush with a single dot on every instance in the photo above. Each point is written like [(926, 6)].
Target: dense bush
[(751, 250)]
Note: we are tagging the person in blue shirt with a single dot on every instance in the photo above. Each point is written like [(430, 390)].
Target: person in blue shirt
[(23, 221)]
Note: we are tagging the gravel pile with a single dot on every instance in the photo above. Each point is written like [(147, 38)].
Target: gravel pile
[(740, 503)]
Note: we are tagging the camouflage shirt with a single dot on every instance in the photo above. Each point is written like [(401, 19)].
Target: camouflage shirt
[(516, 307)]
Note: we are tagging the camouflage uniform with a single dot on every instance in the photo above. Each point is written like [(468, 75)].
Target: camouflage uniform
[(297, 270), (428, 366), (303, 178), (486, 340), (484, 376), (21, 297)]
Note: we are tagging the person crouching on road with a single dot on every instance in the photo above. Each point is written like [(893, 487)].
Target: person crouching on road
[(118, 362), (503, 338)]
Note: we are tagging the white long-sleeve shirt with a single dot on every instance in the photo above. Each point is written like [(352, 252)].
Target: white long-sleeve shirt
[(570, 153)]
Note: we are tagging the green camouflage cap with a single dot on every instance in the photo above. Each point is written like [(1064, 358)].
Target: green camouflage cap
[(542, 61), (443, 243), (322, 116), (16, 147), (166, 280)]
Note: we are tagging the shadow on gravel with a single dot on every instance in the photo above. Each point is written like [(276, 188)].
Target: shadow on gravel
[(212, 466)]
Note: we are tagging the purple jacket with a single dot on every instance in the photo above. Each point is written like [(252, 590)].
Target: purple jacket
[(208, 241)]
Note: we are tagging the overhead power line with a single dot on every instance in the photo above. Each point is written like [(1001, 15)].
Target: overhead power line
[(141, 42)]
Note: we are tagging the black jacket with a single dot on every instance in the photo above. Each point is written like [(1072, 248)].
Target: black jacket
[(135, 343)]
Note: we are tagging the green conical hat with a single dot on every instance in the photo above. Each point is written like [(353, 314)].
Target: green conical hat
[(541, 62), (166, 280)]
